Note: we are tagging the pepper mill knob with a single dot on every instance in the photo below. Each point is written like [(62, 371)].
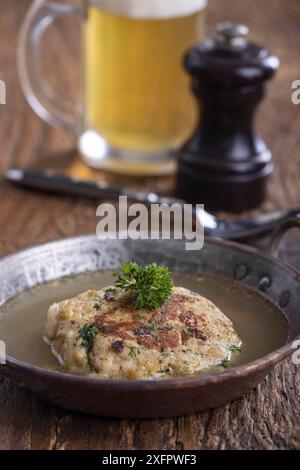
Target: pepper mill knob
[(225, 164), (231, 34)]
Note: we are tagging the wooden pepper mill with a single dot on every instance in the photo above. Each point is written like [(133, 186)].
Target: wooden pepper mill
[(225, 164)]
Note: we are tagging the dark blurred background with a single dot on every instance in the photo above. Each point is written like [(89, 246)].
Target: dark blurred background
[(273, 23), (26, 141)]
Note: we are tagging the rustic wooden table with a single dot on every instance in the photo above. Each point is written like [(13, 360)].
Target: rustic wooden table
[(267, 418)]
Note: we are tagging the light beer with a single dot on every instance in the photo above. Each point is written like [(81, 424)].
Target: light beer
[(137, 93)]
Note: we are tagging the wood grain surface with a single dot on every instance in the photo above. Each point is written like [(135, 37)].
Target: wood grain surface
[(267, 418)]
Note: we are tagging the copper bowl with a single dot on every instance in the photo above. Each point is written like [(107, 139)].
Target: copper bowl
[(153, 399)]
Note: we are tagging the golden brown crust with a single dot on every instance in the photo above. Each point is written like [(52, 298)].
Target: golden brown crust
[(187, 334), (149, 334)]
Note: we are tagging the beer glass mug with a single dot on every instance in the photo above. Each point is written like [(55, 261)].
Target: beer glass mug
[(137, 104)]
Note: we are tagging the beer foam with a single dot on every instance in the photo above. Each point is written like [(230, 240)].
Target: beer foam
[(151, 8)]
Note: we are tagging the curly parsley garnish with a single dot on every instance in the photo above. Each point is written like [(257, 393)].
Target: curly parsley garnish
[(133, 351), (162, 329), (234, 347), (165, 370), (152, 284), (110, 293), (188, 331), (225, 363), (87, 335)]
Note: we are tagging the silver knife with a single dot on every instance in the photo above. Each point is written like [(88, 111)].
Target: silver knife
[(231, 229)]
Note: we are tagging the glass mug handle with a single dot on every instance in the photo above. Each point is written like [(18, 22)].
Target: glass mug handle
[(38, 93)]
